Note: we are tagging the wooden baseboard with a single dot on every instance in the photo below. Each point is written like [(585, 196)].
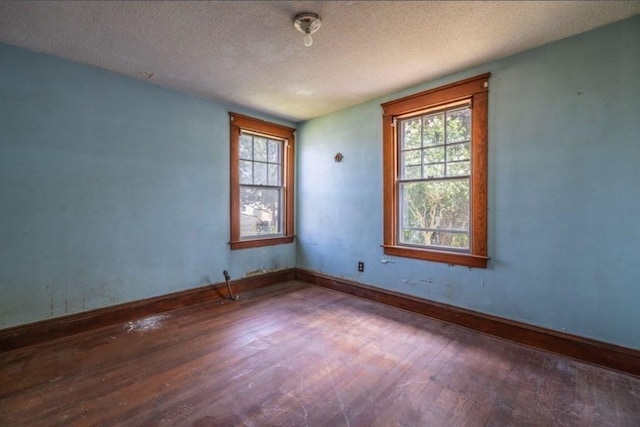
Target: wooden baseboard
[(579, 348), (583, 349), (50, 329)]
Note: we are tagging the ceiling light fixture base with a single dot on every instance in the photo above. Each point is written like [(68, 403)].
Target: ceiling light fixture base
[(307, 23)]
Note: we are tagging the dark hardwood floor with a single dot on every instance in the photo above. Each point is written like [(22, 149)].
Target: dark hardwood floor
[(295, 355)]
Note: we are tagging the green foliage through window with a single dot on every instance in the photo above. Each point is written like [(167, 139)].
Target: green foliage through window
[(435, 168)]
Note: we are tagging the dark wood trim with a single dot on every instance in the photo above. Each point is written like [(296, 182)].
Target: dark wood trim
[(59, 327), (579, 348), (586, 350), (238, 123), (479, 174), (453, 258), (234, 179), (390, 173), (440, 95), (475, 91), (245, 244), (261, 126)]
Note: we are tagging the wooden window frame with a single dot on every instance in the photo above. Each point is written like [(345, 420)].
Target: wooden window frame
[(239, 123), (475, 90)]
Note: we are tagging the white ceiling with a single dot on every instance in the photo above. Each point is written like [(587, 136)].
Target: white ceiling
[(248, 52)]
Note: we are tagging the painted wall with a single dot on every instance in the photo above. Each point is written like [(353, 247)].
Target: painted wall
[(564, 206), (111, 190)]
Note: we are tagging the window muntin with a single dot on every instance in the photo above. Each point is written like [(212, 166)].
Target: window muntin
[(435, 142), (262, 182), (435, 167)]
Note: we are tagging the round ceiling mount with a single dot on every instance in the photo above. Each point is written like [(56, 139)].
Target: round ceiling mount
[(307, 23)]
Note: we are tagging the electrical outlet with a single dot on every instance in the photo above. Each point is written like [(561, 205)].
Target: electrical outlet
[(360, 266)]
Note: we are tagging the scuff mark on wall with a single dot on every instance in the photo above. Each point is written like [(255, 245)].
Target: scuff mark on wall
[(450, 290), (263, 271), (417, 282)]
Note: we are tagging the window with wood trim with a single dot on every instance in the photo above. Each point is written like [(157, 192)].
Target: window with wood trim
[(262, 156), (435, 174)]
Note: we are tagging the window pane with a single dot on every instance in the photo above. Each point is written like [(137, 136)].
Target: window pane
[(411, 157), (434, 171), (260, 173), (411, 161), (435, 238), (458, 169), (259, 149), (246, 176), (273, 147), (246, 149), (458, 152), (411, 134), (259, 211), (274, 175), (433, 129), (412, 172), (459, 125), (427, 207), (449, 240), (434, 155), (413, 237)]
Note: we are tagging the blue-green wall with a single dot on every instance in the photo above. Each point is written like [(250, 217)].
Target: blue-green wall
[(111, 190), (564, 192)]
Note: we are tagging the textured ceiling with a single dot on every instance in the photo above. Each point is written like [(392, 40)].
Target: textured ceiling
[(248, 52)]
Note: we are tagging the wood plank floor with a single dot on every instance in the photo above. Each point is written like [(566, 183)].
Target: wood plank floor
[(299, 355)]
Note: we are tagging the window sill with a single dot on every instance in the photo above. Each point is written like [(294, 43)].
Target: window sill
[(256, 243), (453, 258)]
